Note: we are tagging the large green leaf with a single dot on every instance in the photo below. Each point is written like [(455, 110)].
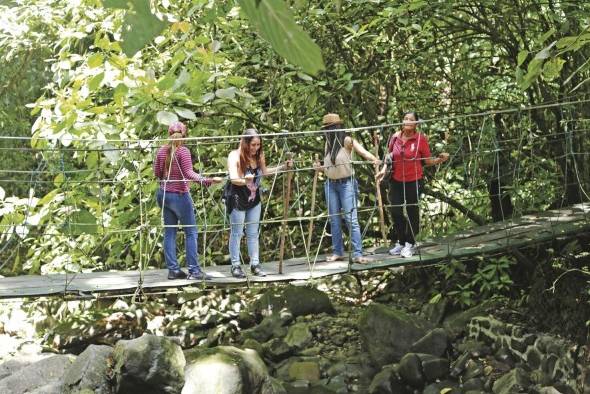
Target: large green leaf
[(140, 25), (82, 222), (274, 22)]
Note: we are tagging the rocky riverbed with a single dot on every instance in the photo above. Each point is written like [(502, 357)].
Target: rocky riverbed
[(364, 334)]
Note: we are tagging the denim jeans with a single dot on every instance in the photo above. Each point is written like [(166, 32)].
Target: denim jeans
[(249, 218), (341, 198), (179, 208)]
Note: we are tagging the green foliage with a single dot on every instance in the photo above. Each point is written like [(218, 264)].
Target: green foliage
[(467, 287)]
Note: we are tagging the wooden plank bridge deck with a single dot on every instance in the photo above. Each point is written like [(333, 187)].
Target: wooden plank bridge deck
[(526, 230)]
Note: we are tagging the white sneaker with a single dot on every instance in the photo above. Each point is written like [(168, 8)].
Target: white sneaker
[(408, 250), (396, 250)]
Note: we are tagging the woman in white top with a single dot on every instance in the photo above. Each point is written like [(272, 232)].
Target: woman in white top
[(341, 188)]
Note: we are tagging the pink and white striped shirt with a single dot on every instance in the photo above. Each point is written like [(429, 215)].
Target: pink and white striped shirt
[(181, 171)]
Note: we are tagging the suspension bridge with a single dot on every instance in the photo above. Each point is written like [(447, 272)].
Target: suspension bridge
[(86, 199)]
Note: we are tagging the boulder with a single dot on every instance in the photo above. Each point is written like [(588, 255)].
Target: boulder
[(435, 342), (410, 370), (298, 336), (18, 362), (43, 374), (276, 349), (227, 370), (89, 371), (433, 367), (252, 344), (456, 324), (435, 313), (387, 381), (54, 387), (300, 368), (300, 300), (514, 381), (305, 370), (387, 334), (270, 327), (148, 364)]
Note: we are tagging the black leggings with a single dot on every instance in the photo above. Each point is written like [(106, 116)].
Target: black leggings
[(407, 193)]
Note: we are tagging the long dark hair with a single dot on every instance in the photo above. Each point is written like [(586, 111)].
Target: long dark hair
[(334, 140), (247, 137)]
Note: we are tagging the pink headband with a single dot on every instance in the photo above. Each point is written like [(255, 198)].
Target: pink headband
[(176, 127)]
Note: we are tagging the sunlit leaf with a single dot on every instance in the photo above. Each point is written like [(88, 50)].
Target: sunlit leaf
[(166, 118), (95, 60), (545, 52), (274, 21), (185, 113), (552, 68), (82, 222), (228, 93), (95, 82), (522, 55)]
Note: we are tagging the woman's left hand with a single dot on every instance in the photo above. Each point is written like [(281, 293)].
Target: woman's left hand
[(217, 179), (442, 157)]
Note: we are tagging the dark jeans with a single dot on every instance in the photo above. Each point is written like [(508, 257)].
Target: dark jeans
[(179, 207), (405, 195)]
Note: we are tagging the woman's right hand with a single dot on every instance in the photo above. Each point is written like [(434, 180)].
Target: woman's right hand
[(317, 165), (249, 178)]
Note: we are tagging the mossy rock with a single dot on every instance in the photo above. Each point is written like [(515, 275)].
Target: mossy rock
[(300, 300)]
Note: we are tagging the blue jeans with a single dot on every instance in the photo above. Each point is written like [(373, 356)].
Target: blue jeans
[(238, 219), (179, 208), (341, 198)]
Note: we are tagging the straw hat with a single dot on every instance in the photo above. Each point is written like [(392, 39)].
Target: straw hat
[(331, 119)]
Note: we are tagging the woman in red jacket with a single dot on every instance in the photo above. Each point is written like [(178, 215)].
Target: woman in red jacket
[(408, 150)]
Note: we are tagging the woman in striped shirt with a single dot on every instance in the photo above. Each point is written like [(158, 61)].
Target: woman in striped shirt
[(174, 168)]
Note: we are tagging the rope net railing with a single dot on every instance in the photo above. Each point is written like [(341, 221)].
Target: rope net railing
[(100, 193)]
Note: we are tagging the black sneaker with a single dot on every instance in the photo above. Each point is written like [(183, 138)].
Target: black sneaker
[(237, 272), (180, 274), (199, 276), (257, 271)]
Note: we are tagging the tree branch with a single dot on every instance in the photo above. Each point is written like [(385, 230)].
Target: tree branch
[(457, 205)]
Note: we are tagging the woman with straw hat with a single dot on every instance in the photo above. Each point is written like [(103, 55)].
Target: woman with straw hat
[(341, 188), (174, 168)]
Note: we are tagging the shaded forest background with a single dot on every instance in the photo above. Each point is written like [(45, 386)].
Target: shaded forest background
[(79, 195)]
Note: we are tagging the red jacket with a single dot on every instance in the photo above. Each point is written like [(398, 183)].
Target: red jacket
[(408, 156)]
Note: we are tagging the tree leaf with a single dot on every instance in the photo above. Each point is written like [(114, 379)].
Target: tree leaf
[(95, 81), (95, 60), (552, 68), (521, 57), (82, 222), (545, 52), (166, 118), (139, 27), (185, 113), (274, 22), (228, 93), (120, 4)]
